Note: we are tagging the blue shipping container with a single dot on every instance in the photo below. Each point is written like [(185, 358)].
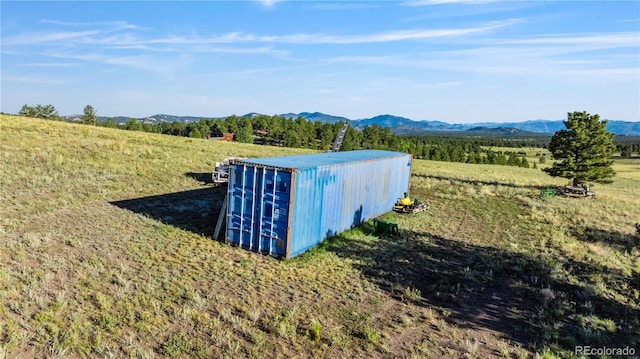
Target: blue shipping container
[(283, 206)]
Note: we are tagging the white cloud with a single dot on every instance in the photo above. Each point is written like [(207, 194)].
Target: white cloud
[(46, 37), (589, 41), (268, 3), (561, 56), (114, 25), (130, 40), (143, 62), (389, 36)]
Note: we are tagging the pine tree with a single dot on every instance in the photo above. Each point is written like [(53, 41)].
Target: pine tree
[(110, 123), (542, 159), (28, 111), (89, 115), (583, 150), (245, 131)]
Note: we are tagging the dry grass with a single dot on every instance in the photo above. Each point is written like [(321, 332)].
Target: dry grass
[(85, 273)]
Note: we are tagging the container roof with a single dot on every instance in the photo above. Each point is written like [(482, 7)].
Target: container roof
[(320, 159)]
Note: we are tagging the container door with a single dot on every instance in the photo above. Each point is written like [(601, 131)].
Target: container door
[(241, 211), (257, 216), (274, 211)]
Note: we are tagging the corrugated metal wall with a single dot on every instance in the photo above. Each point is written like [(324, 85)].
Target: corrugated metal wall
[(309, 204)]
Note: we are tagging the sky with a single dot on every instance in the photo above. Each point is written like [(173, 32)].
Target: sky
[(447, 60)]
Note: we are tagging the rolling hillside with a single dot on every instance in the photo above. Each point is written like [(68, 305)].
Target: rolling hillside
[(106, 251)]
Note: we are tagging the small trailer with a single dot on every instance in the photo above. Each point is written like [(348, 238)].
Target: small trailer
[(576, 191), (220, 174)]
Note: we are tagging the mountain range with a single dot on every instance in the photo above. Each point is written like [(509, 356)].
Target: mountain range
[(405, 126)]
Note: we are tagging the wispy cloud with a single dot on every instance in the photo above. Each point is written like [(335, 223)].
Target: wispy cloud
[(561, 55), (46, 37), (390, 36), (590, 41), (143, 62), (114, 25), (51, 64), (301, 39), (544, 54), (99, 37), (369, 60)]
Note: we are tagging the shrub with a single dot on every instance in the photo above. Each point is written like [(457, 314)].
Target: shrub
[(412, 294), (314, 330), (176, 345)]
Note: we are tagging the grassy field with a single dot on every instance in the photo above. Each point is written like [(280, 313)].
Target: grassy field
[(105, 251)]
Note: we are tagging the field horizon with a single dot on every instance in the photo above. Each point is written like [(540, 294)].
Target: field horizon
[(106, 251)]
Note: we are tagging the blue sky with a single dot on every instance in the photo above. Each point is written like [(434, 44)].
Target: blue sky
[(447, 60)]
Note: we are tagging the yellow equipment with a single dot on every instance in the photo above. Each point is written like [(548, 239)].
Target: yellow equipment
[(407, 205)]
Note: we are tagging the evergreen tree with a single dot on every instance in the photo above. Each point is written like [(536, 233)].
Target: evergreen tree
[(513, 159), (473, 157), (133, 125), (27, 111), (583, 150), (110, 123), (542, 159), (352, 139), (232, 124), (292, 139), (48, 112), (89, 115), (195, 133), (245, 131)]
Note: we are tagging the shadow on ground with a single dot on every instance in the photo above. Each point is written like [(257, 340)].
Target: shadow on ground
[(195, 210), (526, 298), (621, 241), (204, 178), (478, 182)]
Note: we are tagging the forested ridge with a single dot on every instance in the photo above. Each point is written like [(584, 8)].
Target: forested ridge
[(299, 133)]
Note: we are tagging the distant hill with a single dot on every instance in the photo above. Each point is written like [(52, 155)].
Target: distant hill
[(405, 126), (155, 119), (545, 126), (315, 116), (624, 128)]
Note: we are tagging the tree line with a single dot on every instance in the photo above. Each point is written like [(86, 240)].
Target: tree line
[(627, 145), (299, 133)]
